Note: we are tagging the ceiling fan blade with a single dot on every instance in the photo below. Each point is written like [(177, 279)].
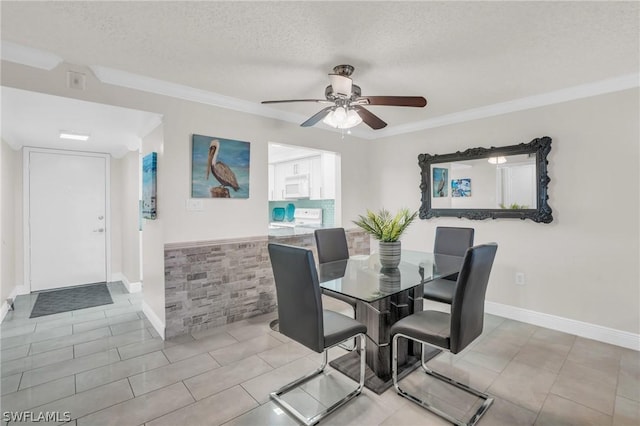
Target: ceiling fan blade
[(321, 101), (369, 118), (407, 101), (317, 117)]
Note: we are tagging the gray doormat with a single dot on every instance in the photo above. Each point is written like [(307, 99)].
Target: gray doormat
[(70, 299)]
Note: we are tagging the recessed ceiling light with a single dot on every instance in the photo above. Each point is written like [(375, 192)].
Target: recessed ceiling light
[(74, 136)]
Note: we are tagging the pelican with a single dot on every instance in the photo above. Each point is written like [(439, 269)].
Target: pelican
[(221, 171), (441, 187)]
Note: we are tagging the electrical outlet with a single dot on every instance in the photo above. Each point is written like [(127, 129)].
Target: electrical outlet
[(519, 278)]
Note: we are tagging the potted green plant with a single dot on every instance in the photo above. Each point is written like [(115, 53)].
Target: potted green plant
[(387, 229)]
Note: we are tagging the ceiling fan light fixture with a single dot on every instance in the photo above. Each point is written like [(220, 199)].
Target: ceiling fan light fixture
[(353, 119), (341, 85), (341, 118), (497, 160)]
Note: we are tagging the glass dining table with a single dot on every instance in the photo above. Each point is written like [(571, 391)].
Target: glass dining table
[(384, 296)]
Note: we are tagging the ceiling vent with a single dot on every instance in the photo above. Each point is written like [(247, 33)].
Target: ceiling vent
[(76, 80)]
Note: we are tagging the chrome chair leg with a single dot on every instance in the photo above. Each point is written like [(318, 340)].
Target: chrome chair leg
[(352, 345), (308, 421), (488, 400)]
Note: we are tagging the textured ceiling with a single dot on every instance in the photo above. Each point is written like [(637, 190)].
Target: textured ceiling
[(459, 55)]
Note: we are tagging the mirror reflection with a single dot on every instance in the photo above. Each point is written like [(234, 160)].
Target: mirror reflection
[(501, 182)]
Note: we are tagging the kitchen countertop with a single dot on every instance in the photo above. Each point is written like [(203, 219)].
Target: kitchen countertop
[(298, 230)]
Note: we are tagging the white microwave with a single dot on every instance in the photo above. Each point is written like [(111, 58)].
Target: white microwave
[(296, 186)]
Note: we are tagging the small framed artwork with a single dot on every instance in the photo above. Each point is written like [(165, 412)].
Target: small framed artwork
[(461, 187), (219, 167), (440, 182), (149, 185)]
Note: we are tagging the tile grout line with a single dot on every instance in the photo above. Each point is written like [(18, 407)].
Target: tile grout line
[(180, 380), (195, 401), (72, 374), (104, 408)]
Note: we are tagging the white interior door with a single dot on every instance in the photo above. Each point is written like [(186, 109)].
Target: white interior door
[(67, 219)]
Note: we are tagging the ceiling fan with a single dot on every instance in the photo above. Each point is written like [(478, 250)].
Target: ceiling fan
[(347, 109)]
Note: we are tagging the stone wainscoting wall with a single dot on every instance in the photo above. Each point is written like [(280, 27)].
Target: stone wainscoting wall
[(211, 283)]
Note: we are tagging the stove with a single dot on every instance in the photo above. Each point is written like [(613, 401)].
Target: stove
[(310, 218)]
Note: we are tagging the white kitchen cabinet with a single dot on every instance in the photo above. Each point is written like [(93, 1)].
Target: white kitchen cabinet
[(295, 167), (328, 191), (323, 177), (316, 181), (321, 170), (279, 176), (284, 170), (272, 182)]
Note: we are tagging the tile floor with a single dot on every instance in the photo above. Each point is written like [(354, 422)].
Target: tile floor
[(107, 365)]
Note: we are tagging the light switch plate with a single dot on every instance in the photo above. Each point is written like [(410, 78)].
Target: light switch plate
[(195, 205)]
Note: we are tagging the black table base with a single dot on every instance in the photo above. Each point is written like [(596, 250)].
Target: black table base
[(349, 365)]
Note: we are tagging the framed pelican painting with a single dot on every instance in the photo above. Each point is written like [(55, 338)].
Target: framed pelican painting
[(440, 182), (219, 167)]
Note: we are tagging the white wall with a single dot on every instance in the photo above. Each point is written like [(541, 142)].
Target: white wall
[(584, 265), (7, 236), (129, 217), (18, 209), (153, 240), (116, 202), (220, 219)]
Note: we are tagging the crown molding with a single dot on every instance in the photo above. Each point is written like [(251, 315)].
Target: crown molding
[(151, 124), (174, 90), (624, 82), (40, 59), (28, 56), (160, 87), (139, 82), (11, 142)]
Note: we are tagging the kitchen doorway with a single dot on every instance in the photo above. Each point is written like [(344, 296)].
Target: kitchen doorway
[(304, 189)]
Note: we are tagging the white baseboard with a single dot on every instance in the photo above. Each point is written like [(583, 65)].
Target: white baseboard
[(153, 319), (134, 287), (17, 290), (131, 287), (4, 310), (566, 325)]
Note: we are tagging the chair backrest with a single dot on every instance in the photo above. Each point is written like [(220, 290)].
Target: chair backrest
[(298, 293), (331, 244), (453, 241), (467, 306)]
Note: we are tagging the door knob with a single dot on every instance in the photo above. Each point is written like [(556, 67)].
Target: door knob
[(100, 217), (99, 230)]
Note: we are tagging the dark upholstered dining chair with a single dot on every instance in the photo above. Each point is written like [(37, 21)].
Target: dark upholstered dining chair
[(454, 331), (301, 318), (331, 244), (453, 242)]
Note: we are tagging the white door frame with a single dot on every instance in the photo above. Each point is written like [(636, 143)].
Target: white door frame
[(26, 156)]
